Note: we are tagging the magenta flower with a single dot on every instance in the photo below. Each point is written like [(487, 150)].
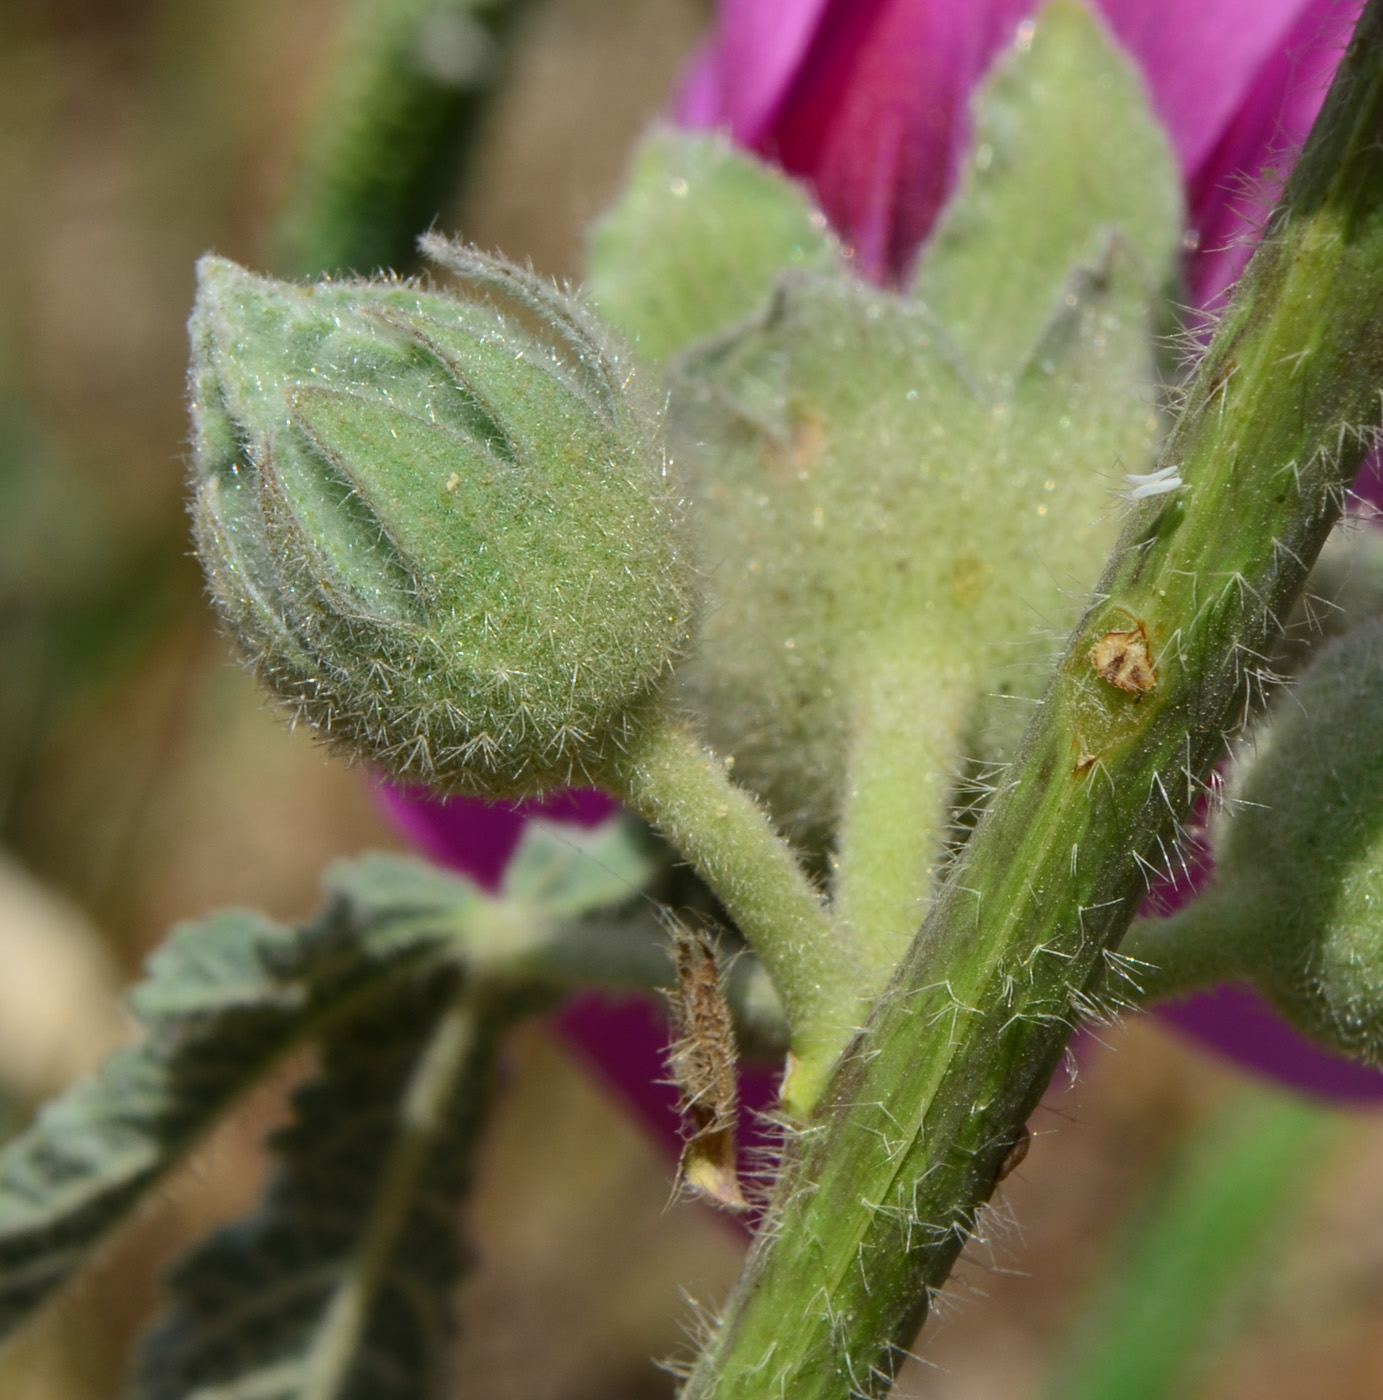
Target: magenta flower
[(867, 101)]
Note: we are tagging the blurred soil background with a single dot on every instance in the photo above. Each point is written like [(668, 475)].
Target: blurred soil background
[(142, 779)]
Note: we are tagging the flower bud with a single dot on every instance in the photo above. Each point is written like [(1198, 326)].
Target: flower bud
[(1298, 892), (443, 530)]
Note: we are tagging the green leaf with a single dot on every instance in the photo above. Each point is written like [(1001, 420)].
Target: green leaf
[(567, 872), (558, 872), (339, 1287), (697, 240), (224, 999), (1066, 149)]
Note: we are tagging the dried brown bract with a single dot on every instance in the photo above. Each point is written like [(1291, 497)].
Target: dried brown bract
[(702, 1061)]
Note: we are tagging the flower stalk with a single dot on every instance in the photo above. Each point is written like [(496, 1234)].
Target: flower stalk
[(685, 791), (884, 1183)]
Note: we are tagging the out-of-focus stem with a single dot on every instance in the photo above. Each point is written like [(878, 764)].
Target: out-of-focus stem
[(914, 1128), (1191, 1253), (387, 149)]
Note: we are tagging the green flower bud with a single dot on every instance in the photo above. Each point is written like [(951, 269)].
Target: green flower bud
[(1297, 904), (444, 531)]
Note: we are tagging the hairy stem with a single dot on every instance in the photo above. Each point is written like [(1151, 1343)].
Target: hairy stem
[(670, 779), (913, 1131), (902, 747), (1197, 946), (387, 149)]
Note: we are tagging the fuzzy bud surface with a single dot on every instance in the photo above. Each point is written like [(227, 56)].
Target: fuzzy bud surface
[(442, 528)]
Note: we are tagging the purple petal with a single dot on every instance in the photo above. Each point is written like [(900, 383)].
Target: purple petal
[(878, 118), (1201, 59), (1233, 187), (868, 100), (1238, 1025), (739, 79), (478, 838)]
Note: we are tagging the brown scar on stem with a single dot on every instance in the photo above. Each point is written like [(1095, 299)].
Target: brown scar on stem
[(1124, 660)]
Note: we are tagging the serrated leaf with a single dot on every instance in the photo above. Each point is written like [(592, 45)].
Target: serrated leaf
[(1066, 149), (226, 997), (93, 1151), (339, 1287), (697, 240), (558, 873), (394, 892)]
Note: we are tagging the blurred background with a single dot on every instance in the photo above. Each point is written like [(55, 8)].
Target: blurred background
[(143, 780)]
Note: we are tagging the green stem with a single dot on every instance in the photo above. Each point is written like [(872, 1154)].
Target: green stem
[(903, 742), (1197, 946), (387, 150), (669, 778), (912, 1134)]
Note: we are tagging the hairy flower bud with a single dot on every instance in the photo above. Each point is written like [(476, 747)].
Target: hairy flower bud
[(1299, 858), (442, 530)]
